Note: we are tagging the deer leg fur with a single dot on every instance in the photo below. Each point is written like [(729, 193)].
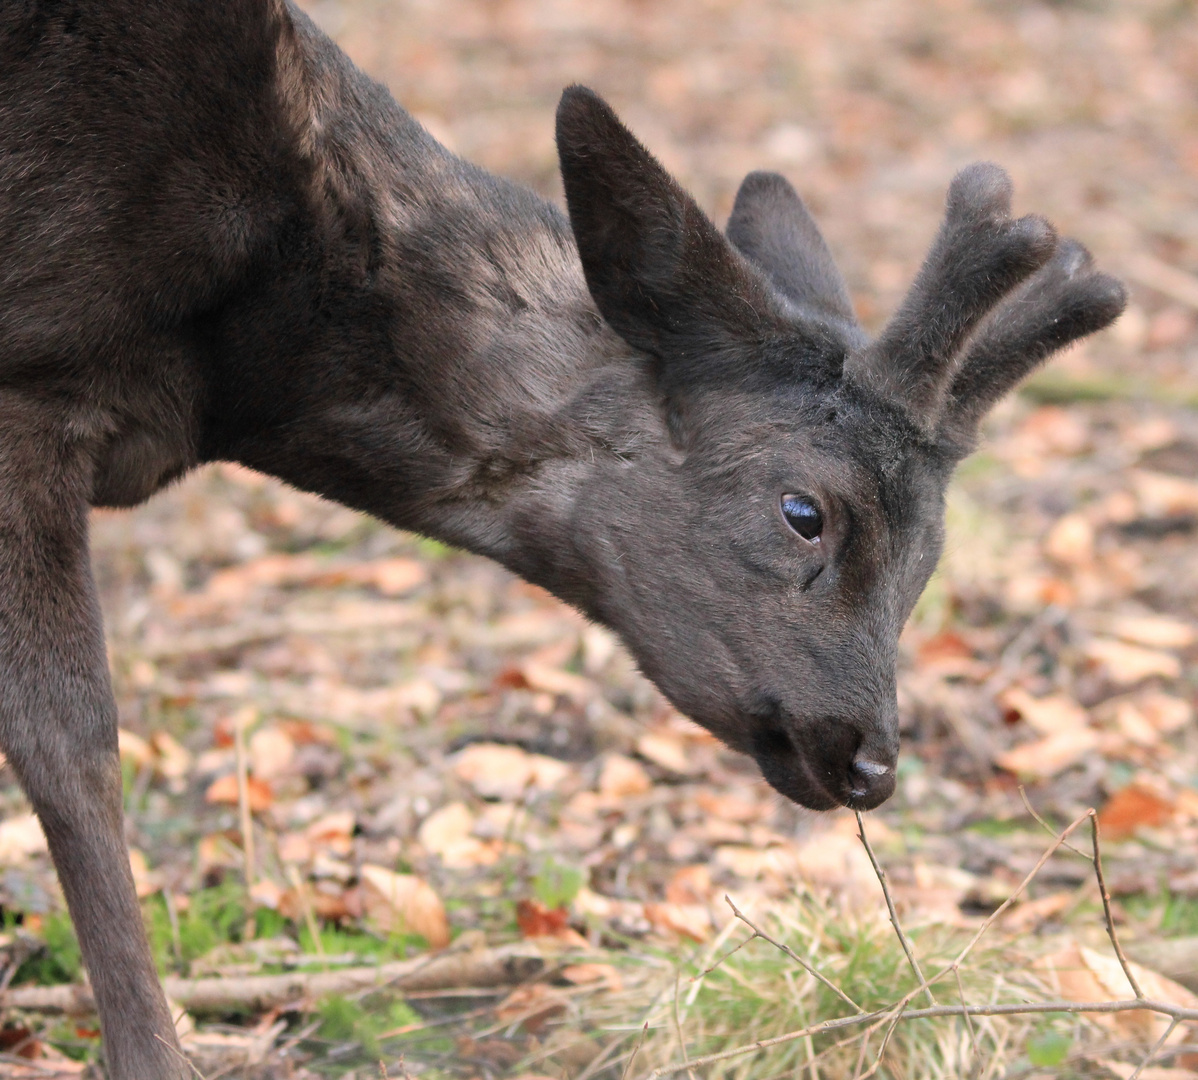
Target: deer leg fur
[(58, 725)]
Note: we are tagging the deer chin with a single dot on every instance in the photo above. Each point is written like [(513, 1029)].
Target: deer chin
[(788, 771), (822, 767)]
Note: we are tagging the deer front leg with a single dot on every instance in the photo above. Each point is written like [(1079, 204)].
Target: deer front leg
[(58, 726)]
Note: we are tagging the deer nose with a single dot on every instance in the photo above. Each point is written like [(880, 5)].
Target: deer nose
[(870, 783)]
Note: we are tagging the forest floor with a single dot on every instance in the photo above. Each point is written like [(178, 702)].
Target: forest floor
[(430, 749)]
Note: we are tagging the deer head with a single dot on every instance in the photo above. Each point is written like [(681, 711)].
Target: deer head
[(762, 566)]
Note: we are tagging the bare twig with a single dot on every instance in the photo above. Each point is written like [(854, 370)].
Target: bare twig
[(1047, 827), (305, 902), (240, 721), (1155, 1049), (894, 919), (1024, 1008), (503, 966), (892, 1014), (637, 1049), (678, 1030), (712, 949), (758, 932), (994, 915), (973, 1035), (1106, 909), (181, 1056)]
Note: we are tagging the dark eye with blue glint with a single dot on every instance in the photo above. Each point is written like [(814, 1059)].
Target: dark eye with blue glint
[(803, 516)]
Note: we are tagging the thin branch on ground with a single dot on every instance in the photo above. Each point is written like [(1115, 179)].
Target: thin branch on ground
[(894, 919), (892, 1014), (812, 971), (1106, 909), (503, 966), (678, 1030), (637, 1049), (1156, 1046), (1048, 827), (1019, 1008), (180, 1055)]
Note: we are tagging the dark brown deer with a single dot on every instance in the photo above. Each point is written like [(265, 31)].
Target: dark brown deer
[(219, 241)]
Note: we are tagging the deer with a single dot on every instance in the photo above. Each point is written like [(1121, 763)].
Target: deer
[(219, 241)]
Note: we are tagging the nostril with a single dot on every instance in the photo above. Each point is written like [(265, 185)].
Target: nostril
[(871, 783)]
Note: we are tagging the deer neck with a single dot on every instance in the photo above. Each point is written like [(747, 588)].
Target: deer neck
[(462, 361)]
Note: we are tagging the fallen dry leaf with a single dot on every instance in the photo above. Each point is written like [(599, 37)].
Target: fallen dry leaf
[(392, 577), (533, 1006), (1071, 541), (536, 920), (620, 776), (690, 885), (665, 748), (1025, 917), (1049, 756), (1133, 807), (224, 790), (680, 920), (551, 680), (1127, 664), (331, 906), (134, 748), (732, 805), (1047, 715), (404, 903), (751, 863), (1154, 631), (332, 833), (145, 880), (173, 759), (21, 837), (1135, 726), (265, 893), (497, 771), (1162, 495), (1165, 712), (1081, 974), (306, 733), (218, 851), (444, 827), (446, 833), (271, 753), (21, 1041)]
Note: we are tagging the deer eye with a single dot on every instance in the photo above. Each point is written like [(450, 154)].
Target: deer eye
[(803, 516)]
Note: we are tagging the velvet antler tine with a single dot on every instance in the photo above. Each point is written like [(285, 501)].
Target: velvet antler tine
[(978, 256), (1066, 300)]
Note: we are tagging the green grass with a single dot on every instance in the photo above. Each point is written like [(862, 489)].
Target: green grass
[(1171, 914), (343, 1020), (1051, 387), (218, 917), (60, 961), (759, 993)]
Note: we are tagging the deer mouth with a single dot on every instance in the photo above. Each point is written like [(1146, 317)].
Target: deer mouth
[(822, 766)]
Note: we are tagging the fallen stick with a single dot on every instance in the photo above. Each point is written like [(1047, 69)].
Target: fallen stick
[(506, 965)]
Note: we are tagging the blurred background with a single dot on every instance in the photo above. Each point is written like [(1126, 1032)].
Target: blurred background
[(868, 107), (404, 709)]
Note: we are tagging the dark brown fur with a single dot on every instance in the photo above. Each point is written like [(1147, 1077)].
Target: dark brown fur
[(219, 241)]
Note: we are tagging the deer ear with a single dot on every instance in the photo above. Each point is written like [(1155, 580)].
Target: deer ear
[(773, 229), (661, 273)]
